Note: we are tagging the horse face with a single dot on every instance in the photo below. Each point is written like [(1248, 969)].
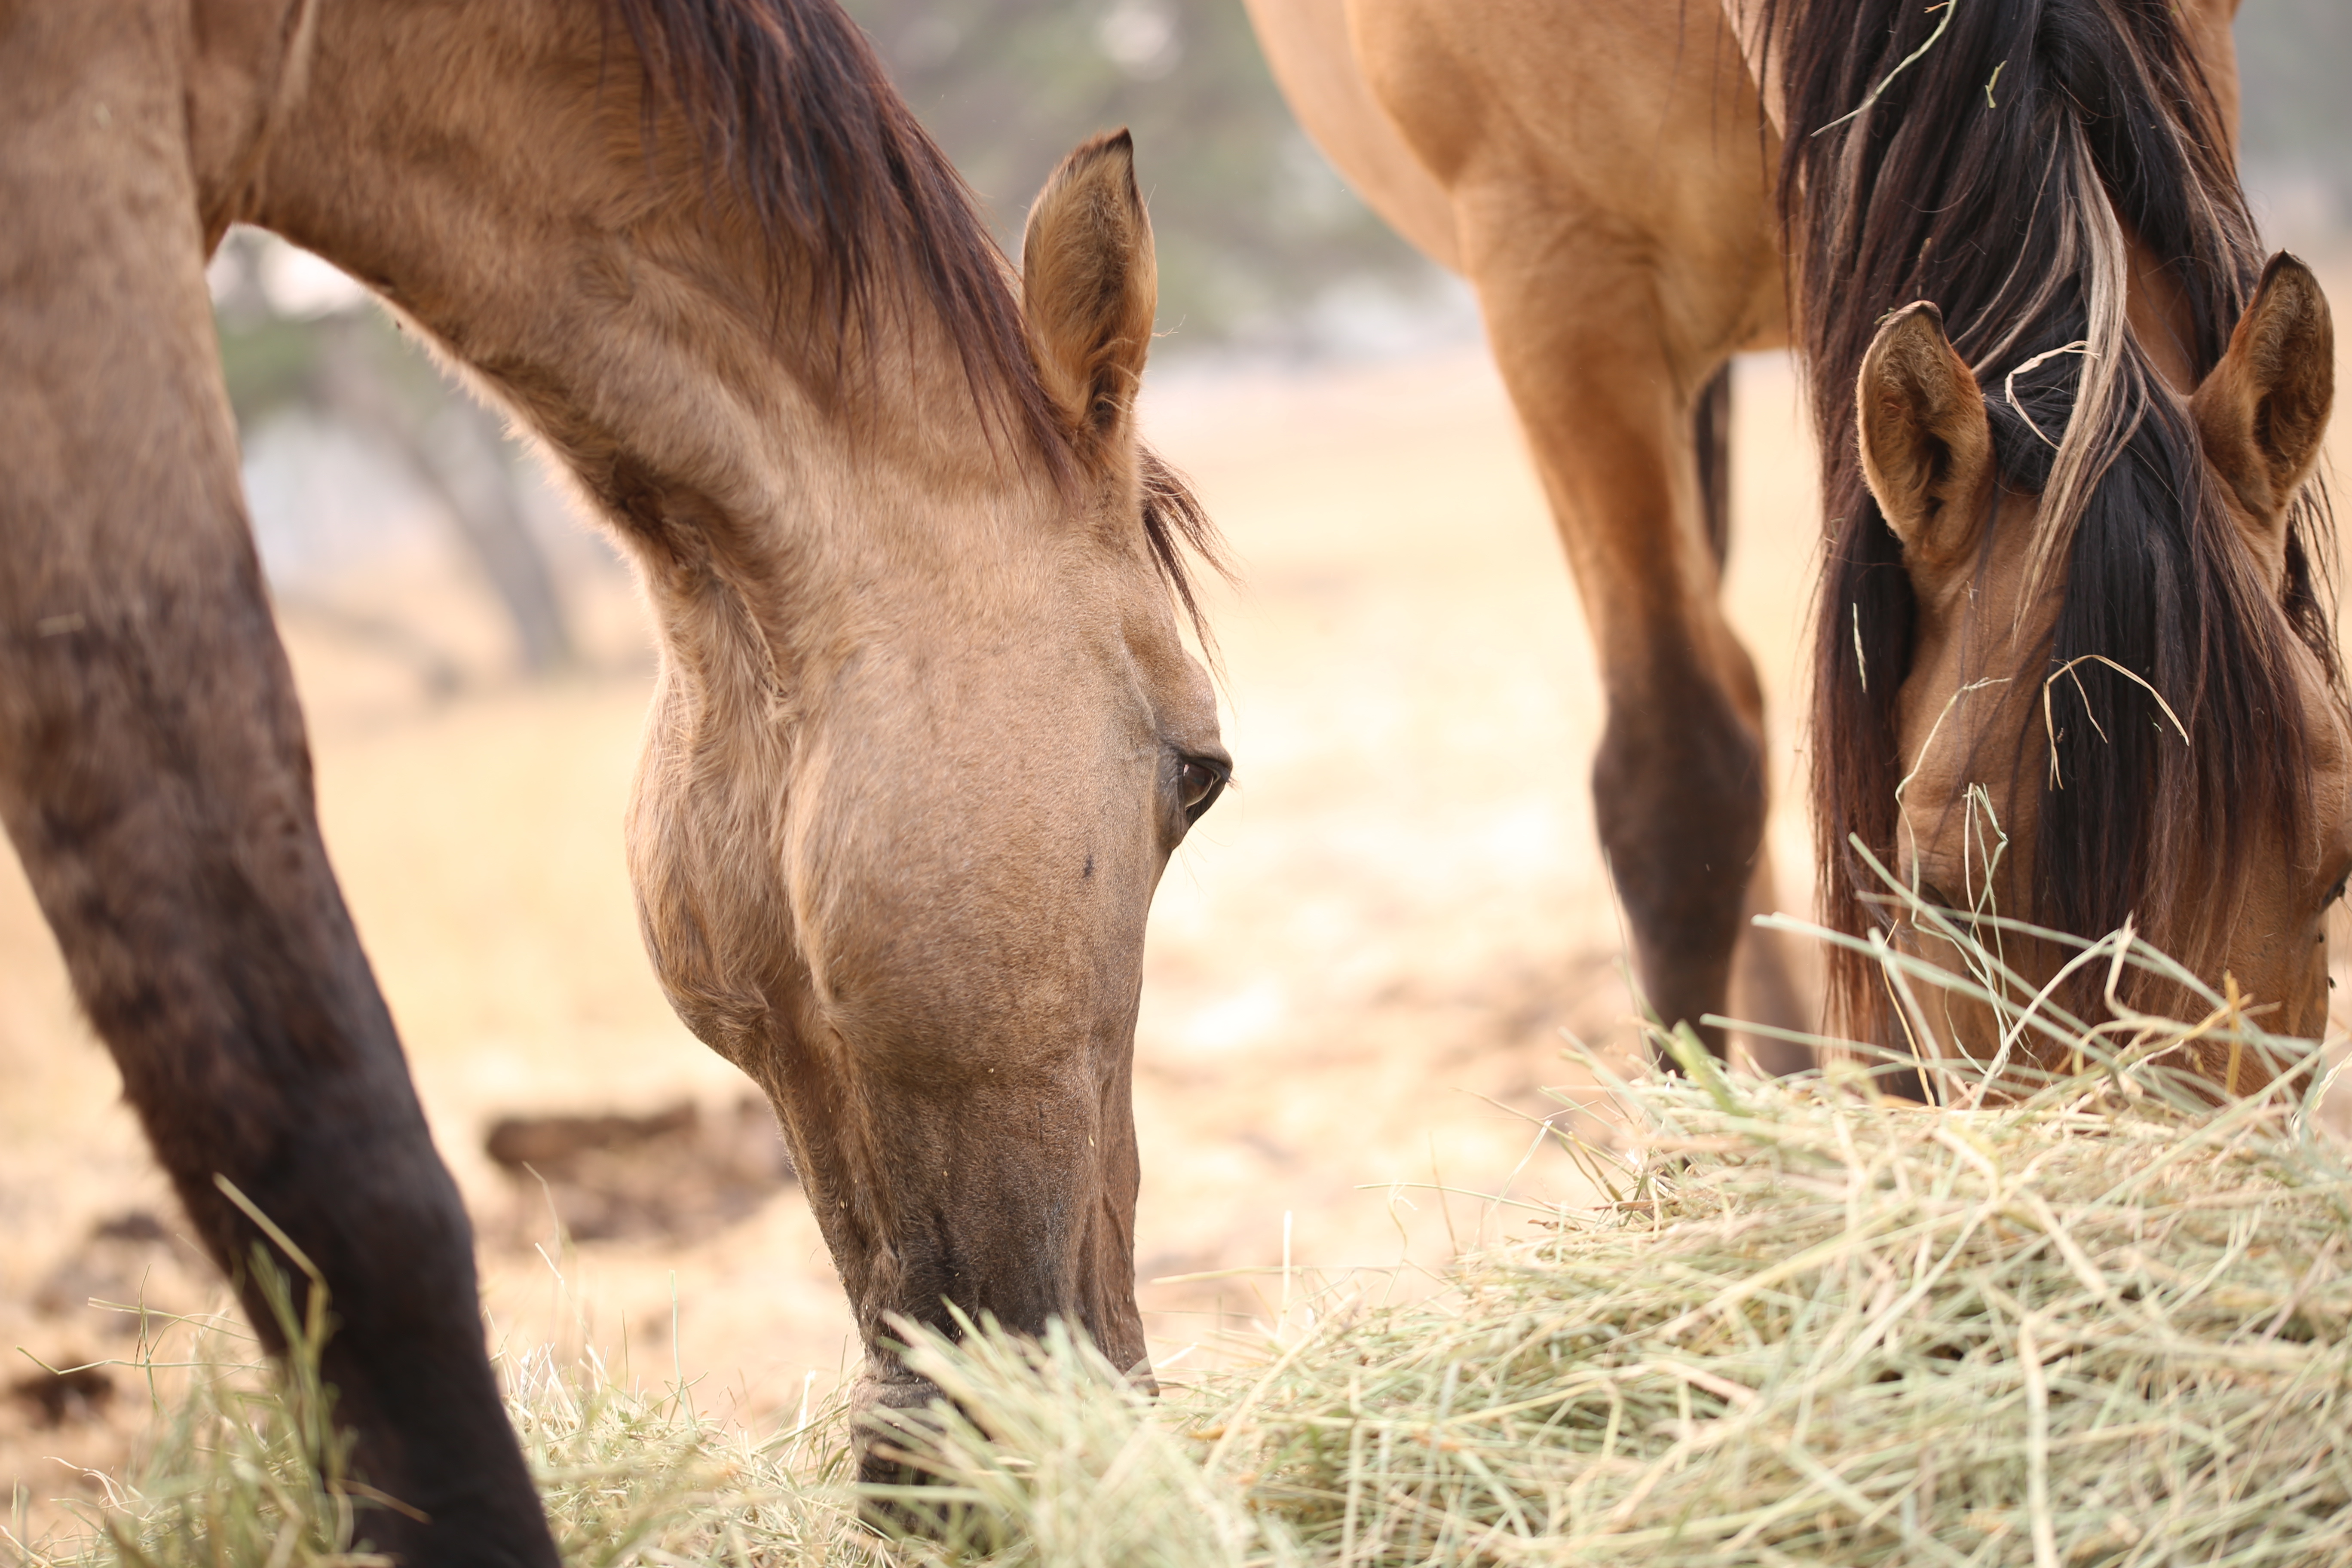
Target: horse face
[(908, 890), (1978, 731)]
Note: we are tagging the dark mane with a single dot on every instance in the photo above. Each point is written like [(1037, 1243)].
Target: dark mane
[(1174, 522), (1981, 154), (798, 118)]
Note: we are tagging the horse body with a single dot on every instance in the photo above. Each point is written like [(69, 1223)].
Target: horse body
[(925, 731), (1611, 178)]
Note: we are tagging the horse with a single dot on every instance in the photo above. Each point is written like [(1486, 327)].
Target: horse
[(926, 727), (2072, 661)]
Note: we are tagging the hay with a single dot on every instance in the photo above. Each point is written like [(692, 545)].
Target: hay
[(2095, 1328), (240, 1472), (1818, 1329), (2085, 1317), (2063, 1319)]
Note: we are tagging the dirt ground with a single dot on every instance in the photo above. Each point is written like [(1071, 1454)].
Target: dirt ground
[(1359, 971)]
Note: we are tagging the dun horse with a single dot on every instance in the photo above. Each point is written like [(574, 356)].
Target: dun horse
[(2073, 582), (926, 731)]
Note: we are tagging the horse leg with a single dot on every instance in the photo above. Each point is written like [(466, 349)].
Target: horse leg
[(155, 780), (1612, 415), (1765, 987)]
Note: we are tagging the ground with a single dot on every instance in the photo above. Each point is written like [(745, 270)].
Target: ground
[(1358, 973)]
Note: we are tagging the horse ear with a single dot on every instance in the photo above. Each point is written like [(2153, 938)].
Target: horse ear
[(2263, 410), (1927, 448), (1089, 286)]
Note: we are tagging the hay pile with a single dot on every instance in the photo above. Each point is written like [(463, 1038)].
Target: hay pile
[(2108, 1323), (2089, 1330), (2104, 1321)]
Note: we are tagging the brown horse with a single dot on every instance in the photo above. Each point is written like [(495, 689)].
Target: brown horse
[(2074, 578), (926, 731)]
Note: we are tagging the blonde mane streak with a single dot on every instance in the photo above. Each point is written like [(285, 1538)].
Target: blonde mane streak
[(2100, 421)]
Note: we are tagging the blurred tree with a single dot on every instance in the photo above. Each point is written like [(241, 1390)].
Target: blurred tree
[(1252, 226), (351, 365)]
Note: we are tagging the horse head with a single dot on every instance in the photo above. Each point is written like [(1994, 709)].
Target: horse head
[(907, 794), (2025, 672)]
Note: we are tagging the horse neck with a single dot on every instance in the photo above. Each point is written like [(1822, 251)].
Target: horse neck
[(485, 168)]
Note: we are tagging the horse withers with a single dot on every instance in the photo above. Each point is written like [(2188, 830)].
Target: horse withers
[(926, 730), (2121, 654)]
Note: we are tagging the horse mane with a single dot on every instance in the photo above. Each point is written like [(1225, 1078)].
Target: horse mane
[(1991, 156), (797, 117)]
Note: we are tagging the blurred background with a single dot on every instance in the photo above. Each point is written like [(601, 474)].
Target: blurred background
[(1360, 968)]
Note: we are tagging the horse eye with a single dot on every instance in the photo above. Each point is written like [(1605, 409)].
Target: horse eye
[(1198, 784)]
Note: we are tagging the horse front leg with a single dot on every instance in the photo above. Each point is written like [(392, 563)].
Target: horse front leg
[(1619, 423), (155, 780)]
